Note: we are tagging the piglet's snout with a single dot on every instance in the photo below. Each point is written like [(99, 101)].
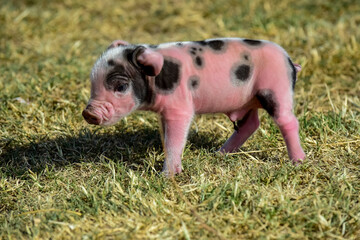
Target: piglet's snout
[(98, 113), (91, 117)]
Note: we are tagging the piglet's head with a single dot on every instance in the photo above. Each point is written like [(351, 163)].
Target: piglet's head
[(120, 82)]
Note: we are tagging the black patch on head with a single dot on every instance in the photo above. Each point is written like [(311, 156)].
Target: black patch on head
[(129, 74), (267, 100), (216, 45), (194, 82), (198, 61), (242, 72), (128, 53), (142, 89), (132, 54), (293, 73), (252, 42), (111, 62), (169, 76), (115, 77)]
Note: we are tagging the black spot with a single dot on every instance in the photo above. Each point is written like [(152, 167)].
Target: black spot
[(242, 73), (194, 82), (293, 73), (180, 44), (128, 55), (200, 49), (169, 76), (267, 100), (193, 52), (252, 42), (142, 90), (246, 57), (198, 61), (193, 49), (216, 45), (153, 46), (111, 62), (202, 43)]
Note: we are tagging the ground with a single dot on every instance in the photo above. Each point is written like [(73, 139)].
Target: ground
[(62, 178)]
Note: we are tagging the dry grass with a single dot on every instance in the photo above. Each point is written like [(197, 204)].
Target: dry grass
[(62, 178)]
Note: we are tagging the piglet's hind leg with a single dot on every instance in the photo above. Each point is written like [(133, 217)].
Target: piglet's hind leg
[(289, 128), (245, 128)]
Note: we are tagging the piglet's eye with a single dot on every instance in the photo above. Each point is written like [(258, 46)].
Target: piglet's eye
[(121, 87)]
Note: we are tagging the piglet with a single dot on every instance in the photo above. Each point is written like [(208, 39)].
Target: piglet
[(233, 76)]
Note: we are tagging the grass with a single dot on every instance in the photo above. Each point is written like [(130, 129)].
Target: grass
[(61, 178)]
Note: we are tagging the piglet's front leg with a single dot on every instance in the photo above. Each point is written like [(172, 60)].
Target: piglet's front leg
[(175, 129)]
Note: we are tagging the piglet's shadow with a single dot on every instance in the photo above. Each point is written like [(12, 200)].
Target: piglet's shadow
[(131, 147)]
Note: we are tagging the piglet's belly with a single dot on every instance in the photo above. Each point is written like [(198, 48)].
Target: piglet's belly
[(216, 104), (222, 97)]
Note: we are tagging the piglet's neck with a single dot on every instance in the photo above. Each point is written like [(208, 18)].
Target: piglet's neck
[(157, 100)]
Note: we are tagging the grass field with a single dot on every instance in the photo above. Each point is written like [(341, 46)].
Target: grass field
[(61, 178)]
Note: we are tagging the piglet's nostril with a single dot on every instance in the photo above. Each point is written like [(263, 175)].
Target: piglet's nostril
[(91, 117)]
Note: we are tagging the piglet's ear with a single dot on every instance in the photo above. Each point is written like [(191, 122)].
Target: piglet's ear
[(117, 43), (149, 61)]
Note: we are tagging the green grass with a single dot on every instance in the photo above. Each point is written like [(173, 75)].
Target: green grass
[(61, 178)]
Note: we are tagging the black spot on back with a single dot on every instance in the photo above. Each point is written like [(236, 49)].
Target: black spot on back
[(169, 76), (293, 73), (216, 45), (198, 61), (202, 43), (267, 100), (196, 54), (252, 42), (153, 46), (242, 73), (194, 82)]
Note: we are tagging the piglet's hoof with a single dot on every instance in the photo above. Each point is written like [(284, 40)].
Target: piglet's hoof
[(297, 162), (167, 172)]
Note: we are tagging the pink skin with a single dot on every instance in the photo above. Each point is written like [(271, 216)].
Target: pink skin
[(215, 93)]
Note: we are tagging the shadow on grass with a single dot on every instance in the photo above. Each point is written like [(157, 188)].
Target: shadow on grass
[(128, 147)]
